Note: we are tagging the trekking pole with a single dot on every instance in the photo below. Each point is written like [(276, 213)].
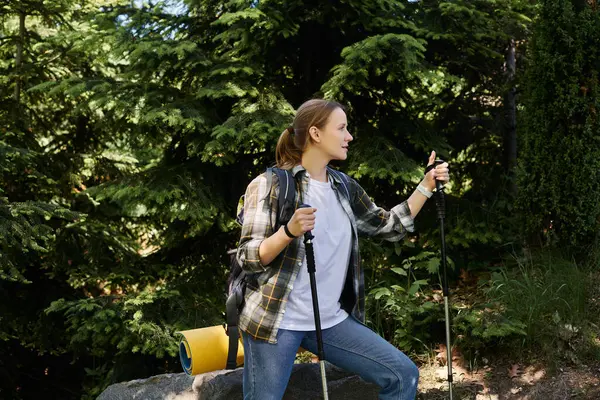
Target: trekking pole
[(440, 202), (310, 262)]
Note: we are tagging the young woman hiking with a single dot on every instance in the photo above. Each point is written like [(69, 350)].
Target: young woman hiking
[(277, 317)]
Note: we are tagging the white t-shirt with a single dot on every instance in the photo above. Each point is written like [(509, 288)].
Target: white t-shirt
[(331, 243)]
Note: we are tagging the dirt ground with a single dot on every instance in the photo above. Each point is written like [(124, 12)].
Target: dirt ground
[(518, 382)]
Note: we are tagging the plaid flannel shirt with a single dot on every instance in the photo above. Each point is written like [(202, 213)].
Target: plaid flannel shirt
[(269, 286)]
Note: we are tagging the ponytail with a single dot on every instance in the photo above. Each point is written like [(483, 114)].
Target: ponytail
[(287, 153)]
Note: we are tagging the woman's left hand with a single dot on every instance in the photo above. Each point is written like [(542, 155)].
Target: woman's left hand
[(440, 173)]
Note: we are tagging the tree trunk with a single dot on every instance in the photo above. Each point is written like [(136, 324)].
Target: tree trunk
[(510, 147), (19, 65)]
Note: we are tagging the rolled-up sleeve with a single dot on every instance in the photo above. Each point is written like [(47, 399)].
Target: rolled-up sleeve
[(257, 225), (375, 221)]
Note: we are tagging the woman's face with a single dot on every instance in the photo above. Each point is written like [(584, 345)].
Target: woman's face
[(334, 137)]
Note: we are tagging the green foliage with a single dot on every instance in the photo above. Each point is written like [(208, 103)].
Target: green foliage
[(411, 314), (400, 304), (143, 331), (537, 310), (481, 327), (559, 158), (26, 233), (542, 288), (364, 58), (546, 298), (402, 316)]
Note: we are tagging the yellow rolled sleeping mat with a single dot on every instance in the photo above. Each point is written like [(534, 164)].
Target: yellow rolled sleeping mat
[(205, 349)]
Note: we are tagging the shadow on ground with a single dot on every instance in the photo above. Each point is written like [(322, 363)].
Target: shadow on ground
[(569, 383)]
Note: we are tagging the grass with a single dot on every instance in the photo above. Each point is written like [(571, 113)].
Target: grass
[(551, 296)]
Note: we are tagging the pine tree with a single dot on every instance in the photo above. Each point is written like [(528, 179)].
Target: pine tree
[(32, 209), (558, 160)]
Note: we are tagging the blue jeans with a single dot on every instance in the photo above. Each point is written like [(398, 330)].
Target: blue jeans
[(348, 345)]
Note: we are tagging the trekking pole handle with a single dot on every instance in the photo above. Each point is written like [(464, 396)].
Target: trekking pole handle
[(438, 184), (308, 234), (440, 201)]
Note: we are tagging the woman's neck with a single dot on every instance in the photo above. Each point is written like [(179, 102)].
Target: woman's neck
[(315, 164)]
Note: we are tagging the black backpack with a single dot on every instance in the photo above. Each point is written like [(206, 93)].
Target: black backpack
[(236, 283)]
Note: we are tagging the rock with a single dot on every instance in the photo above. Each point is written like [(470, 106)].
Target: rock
[(167, 387), (305, 383)]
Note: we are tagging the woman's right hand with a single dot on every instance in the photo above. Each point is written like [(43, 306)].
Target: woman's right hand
[(302, 221)]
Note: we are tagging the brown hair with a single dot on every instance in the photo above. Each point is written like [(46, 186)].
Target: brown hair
[(295, 138)]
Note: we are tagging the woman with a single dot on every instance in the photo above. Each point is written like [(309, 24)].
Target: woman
[(277, 317)]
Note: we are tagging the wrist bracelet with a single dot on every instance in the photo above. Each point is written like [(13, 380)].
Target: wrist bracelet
[(287, 232), (424, 191)]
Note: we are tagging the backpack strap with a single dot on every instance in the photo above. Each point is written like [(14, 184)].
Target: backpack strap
[(287, 195), (269, 183), (287, 192), (235, 299), (345, 181), (233, 331)]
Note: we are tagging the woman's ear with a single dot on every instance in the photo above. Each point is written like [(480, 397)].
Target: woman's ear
[(314, 134)]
